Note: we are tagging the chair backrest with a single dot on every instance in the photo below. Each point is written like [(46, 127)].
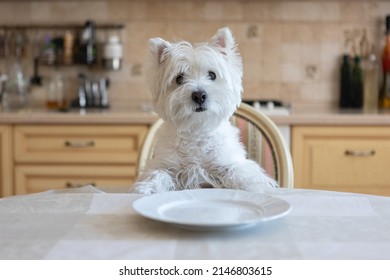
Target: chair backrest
[(259, 134), (265, 144)]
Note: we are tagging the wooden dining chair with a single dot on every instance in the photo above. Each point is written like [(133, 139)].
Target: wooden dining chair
[(259, 134)]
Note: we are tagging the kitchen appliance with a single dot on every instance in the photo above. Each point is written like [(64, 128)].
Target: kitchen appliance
[(92, 92), (112, 54)]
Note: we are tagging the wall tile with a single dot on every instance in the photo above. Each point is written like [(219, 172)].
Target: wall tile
[(262, 10), (262, 90), (252, 72), (213, 10), (291, 72), (291, 49), (271, 71), (127, 10), (232, 11), (361, 11), (272, 32), (68, 11), (291, 53), (297, 11), (15, 12)]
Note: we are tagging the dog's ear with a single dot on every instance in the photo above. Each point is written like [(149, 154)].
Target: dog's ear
[(224, 40), (158, 48)]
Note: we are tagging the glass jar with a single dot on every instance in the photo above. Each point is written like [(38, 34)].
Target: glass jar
[(56, 97)]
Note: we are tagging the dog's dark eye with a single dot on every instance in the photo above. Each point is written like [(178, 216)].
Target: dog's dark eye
[(180, 79), (212, 75)]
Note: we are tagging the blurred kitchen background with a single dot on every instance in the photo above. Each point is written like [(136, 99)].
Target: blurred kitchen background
[(292, 50)]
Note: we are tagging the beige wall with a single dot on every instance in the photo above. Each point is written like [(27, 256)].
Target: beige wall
[(291, 49)]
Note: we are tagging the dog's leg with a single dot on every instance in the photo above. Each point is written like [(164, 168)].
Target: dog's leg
[(154, 182), (249, 176)]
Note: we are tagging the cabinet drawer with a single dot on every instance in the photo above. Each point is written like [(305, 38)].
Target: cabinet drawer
[(37, 178), (78, 144), (344, 159)]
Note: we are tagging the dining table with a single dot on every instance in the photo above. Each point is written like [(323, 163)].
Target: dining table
[(88, 223)]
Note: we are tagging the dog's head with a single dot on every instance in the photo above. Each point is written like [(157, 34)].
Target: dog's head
[(195, 87)]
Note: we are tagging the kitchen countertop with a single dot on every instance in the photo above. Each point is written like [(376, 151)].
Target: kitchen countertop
[(138, 116), (90, 116), (334, 117)]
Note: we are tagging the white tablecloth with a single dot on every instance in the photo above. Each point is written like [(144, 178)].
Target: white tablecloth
[(90, 224)]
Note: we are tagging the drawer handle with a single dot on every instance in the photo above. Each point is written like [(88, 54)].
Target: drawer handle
[(354, 153), (84, 144), (70, 185)]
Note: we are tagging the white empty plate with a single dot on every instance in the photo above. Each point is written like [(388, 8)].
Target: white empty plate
[(211, 209)]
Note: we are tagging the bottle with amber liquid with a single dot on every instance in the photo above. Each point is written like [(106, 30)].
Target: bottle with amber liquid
[(384, 99), (56, 96)]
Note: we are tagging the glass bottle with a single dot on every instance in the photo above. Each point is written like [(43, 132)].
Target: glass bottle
[(82, 98), (56, 98), (345, 83), (357, 84), (371, 84), (15, 94), (384, 100), (68, 48), (88, 44)]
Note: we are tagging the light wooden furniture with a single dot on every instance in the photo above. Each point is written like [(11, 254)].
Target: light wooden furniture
[(147, 148), (342, 158), (5, 161), (260, 136), (69, 156)]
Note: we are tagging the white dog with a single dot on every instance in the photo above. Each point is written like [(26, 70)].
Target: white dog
[(196, 90)]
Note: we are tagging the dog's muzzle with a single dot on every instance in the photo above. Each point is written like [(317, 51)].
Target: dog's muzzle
[(199, 97)]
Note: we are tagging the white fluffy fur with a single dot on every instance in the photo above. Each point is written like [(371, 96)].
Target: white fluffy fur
[(198, 148)]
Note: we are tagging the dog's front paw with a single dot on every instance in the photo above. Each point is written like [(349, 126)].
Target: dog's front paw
[(260, 186), (154, 182), (144, 188)]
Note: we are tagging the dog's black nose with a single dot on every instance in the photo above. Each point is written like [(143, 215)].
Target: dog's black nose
[(199, 97)]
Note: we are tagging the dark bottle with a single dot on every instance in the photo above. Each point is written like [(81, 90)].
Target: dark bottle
[(345, 83), (88, 44), (384, 98), (357, 84)]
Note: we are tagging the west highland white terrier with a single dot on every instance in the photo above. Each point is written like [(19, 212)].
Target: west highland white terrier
[(196, 89)]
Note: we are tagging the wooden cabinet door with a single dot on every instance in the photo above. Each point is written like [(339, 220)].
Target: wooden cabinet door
[(5, 161), (351, 159)]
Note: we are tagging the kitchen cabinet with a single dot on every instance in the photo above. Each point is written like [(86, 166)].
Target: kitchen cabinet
[(68, 156), (342, 158), (37, 178), (5, 161)]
